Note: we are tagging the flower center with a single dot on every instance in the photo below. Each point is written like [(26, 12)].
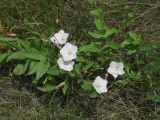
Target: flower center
[(69, 53), (62, 38), (97, 85), (117, 67)]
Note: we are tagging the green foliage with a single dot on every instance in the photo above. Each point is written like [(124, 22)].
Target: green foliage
[(102, 31), (89, 48), (6, 40), (37, 57), (47, 88), (54, 70), (87, 85)]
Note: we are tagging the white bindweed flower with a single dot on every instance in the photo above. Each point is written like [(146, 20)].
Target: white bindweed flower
[(116, 68), (65, 65), (60, 37), (69, 52), (100, 85)]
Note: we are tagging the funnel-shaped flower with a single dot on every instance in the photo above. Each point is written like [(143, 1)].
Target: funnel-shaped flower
[(65, 65), (100, 85), (60, 37), (69, 52), (116, 68)]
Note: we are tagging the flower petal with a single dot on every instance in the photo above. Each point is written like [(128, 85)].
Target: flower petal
[(65, 65), (100, 85)]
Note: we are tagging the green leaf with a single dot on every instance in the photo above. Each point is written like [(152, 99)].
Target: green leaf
[(134, 76), (19, 69), (87, 85), (113, 45), (98, 19), (33, 67), (42, 68), (125, 43), (130, 52), (89, 48), (100, 25), (110, 32), (8, 39), (65, 88), (136, 39), (81, 59), (21, 55), (54, 70), (23, 44), (78, 68), (3, 58), (96, 34), (47, 88), (121, 83), (94, 95)]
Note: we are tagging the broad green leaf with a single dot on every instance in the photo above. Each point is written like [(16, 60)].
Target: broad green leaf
[(81, 59), (47, 88), (110, 32), (99, 23), (87, 85), (89, 48), (33, 67), (94, 95), (26, 65), (136, 39), (8, 39), (54, 70), (3, 58), (42, 68), (98, 19), (78, 68), (113, 45), (125, 43), (21, 55), (19, 69), (23, 44)]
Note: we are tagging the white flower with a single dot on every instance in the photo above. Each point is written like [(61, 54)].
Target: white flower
[(116, 68), (100, 85), (69, 52), (60, 37), (65, 65)]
